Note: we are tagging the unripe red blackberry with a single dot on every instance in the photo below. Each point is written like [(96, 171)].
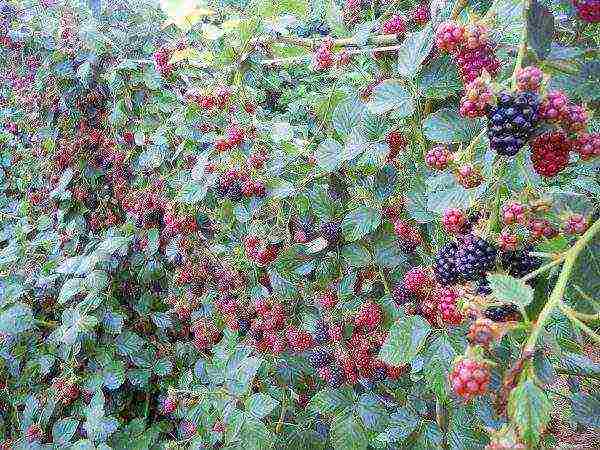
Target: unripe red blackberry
[(550, 153), (448, 36), (587, 146), (455, 221), (482, 332), (542, 228), (574, 118), (472, 62), (396, 142), (438, 157), (417, 280), (553, 106), (588, 10), (507, 241), (168, 405), (34, 433), (514, 212), (408, 234), (335, 332), (369, 316), (323, 58), (575, 224), (477, 98), (299, 340), (469, 378), (529, 78), (468, 176), (422, 14), (328, 299), (343, 58), (394, 25), (187, 428), (448, 308)]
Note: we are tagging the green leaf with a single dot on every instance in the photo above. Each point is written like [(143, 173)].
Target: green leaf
[(436, 374), (70, 288), (163, 367), (356, 255), (413, 51), (446, 126), (391, 96), (586, 409), (540, 28), (439, 79), (359, 222), (347, 115), (329, 155), (330, 401), (260, 405), (404, 341), (529, 408), (348, 433), (16, 319), (508, 289), (193, 192), (64, 430), (372, 412)]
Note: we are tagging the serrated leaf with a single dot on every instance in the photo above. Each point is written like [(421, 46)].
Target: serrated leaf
[(447, 126), (586, 409), (508, 289), (330, 401), (64, 430), (540, 28), (404, 341), (329, 155), (360, 222), (16, 319), (260, 405), (356, 255), (348, 433), (71, 287), (439, 79), (391, 96), (529, 408), (193, 192), (347, 115), (414, 49)]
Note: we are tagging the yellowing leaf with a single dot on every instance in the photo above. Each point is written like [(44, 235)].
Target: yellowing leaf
[(230, 25), (193, 56), (184, 13), (212, 32)]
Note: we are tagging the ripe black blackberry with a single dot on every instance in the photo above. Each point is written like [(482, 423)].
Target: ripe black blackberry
[(321, 332), (512, 121), (244, 326), (483, 287), (503, 313), (445, 265), (402, 296), (235, 191), (520, 262), (319, 358), (337, 376), (379, 374), (475, 257), (332, 232)]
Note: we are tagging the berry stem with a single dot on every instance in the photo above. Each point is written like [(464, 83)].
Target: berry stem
[(561, 284), (572, 315), (544, 268), (386, 286), (522, 47)]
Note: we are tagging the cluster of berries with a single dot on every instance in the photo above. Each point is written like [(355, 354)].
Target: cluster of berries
[(396, 142), (161, 60), (409, 235), (470, 48), (236, 184), (234, 137), (218, 99), (394, 25), (206, 334), (66, 391), (262, 255), (588, 10)]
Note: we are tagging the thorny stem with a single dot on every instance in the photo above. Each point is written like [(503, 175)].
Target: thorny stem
[(561, 284)]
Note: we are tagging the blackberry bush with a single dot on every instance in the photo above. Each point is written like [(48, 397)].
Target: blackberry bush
[(287, 226)]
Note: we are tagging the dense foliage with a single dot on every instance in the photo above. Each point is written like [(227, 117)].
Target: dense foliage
[(299, 224)]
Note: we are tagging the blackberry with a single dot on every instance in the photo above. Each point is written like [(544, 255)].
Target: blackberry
[(402, 296), (244, 326), (320, 358), (321, 332), (337, 377), (503, 313), (483, 287), (445, 265), (475, 257), (235, 192), (512, 121), (379, 374), (520, 262), (332, 232)]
